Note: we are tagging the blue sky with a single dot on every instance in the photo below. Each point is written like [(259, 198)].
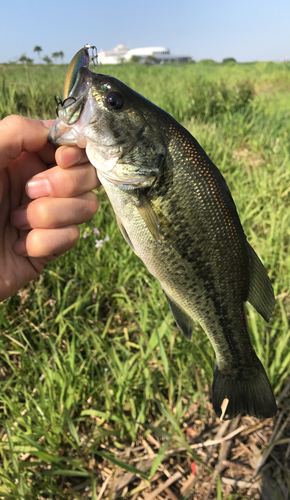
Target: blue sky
[(246, 30)]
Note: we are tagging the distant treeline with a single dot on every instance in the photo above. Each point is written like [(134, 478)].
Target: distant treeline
[(55, 56)]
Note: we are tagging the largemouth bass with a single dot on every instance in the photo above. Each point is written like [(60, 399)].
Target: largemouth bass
[(176, 212)]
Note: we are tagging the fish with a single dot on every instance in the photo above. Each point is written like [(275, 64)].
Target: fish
[(176, 212)]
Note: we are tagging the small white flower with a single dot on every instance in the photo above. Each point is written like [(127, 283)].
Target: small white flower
[(99, 243)]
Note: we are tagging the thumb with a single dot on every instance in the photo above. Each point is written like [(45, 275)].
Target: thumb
[(18, 134)]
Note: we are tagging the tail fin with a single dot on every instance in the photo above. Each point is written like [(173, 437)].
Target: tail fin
[(252, 396)]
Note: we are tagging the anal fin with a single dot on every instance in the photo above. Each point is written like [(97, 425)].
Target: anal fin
[(183, 321)]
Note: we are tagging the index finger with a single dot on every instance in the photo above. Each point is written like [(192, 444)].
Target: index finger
[(18, 134)]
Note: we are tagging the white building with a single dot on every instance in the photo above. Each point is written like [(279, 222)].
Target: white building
[(145, 52), (158, 55), (114, 56)]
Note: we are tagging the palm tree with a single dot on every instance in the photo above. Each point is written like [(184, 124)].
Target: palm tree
[(37, 49), (61, 55), (55, 55), (47, 59), (23, 59)]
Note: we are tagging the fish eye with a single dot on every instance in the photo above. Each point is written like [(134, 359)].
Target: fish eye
[(114, 100)]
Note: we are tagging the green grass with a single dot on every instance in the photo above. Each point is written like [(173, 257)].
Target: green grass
[(91, 359)]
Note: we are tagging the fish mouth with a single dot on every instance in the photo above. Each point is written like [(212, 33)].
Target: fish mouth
[(62, 134), (72, 123)]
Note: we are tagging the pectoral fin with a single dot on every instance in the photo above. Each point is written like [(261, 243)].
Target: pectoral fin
[(261, 294), (148, 215), (183, 321)]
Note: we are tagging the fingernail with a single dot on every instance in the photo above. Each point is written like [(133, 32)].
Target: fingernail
[(37, 187), (48, 123), (19, 218), (20, 247)]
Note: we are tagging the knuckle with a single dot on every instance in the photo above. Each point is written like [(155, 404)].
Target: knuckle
[(46, 242), (63, 181), (38, 213), (34, 244), (68, 238), (73, 232), (13, 120)]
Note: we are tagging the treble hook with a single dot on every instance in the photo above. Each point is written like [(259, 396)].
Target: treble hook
[(58, 103), (61, 103)]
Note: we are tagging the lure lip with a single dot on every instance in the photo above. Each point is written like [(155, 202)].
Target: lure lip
[(81, 59)]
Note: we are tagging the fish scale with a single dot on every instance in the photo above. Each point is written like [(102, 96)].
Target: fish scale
[(207, 217), (175, 210)]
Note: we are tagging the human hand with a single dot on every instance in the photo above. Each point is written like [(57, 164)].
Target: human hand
[(32, 233)]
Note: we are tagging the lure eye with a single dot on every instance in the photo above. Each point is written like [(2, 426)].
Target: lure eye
[(114, 100)]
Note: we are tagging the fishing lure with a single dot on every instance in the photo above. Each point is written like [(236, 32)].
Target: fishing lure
[(81, 59)]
